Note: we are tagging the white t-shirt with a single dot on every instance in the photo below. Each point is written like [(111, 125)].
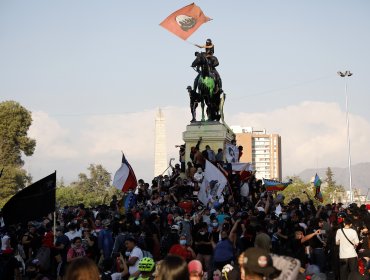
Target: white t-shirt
[(136, 252), (116, 276), (346, 249)]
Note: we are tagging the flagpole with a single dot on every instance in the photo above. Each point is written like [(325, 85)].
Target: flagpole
[(345, 75), (169, 165), (227, 179)]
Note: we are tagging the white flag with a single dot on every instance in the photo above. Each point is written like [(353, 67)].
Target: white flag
[(232, 153), (213, 184)]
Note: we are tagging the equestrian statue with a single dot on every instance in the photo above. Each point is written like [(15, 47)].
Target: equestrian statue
[(209, 85)]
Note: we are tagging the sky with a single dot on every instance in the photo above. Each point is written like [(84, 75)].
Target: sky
[(94, 73)]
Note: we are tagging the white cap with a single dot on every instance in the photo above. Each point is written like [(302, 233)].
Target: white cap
[(213, 211)]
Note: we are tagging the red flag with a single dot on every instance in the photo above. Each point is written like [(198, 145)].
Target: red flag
[(124, 178), (185, 21)]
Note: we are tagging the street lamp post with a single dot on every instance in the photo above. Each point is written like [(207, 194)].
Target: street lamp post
[(345, 75)]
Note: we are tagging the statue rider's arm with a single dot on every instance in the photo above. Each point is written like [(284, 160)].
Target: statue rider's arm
[(204, 46)]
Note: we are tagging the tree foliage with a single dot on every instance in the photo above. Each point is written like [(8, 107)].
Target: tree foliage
[(331, 191), (15, 122), (298, 189), (92, 189)]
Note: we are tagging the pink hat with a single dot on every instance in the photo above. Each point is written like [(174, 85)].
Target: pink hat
[(195, 266)]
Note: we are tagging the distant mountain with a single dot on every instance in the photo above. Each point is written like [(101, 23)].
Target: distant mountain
[(360, 175)]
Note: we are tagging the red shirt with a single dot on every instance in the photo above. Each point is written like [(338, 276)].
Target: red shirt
[(181, 251), (186, 205)]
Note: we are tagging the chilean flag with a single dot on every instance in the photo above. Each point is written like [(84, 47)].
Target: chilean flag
[(124, 178)]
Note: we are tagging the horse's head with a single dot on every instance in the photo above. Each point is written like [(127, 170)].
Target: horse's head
[(200, 59)]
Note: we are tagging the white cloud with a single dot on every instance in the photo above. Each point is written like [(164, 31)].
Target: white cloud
[(52, 140), (313, 135)]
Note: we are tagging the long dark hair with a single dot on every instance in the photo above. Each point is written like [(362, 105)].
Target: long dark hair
[(173, 268)]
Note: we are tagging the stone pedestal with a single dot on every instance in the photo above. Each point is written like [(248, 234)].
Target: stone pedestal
[(214, 134)]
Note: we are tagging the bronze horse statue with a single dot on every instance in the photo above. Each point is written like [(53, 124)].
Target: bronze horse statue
[(208, 88)]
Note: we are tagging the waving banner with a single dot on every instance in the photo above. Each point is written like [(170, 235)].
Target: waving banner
[(31, 203), (124, 178), (185, 21)]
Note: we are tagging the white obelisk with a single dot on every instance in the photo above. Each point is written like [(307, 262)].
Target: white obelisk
[(160, 153)]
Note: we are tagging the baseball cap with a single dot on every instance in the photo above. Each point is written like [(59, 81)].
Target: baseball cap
[(259, 261), (213, 211), (195, 266)]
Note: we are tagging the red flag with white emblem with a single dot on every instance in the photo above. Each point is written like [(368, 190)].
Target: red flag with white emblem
[(185, 21)]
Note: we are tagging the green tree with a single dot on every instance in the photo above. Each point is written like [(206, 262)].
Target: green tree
[(15, 122), (297, 189), (331, 191), (329, 178), (92, 189)]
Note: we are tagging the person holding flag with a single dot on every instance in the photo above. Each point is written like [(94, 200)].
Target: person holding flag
[(212, 61), (209, 48)]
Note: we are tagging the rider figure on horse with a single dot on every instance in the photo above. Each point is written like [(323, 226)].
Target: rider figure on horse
[(212, 62)]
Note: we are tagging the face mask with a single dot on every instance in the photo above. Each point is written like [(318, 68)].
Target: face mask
[(202, 233), (284, 217), (215, 224), (137, 223), (127, 254), (182, 242), (186, 220)]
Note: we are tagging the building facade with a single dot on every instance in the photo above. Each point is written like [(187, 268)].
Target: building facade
[(263, 150)]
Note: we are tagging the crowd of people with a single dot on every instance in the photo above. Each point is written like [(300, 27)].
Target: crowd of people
[(162, 231)]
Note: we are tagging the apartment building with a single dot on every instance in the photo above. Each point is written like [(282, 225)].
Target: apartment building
[(263, 150)]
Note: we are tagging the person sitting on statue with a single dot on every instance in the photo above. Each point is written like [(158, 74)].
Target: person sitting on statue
[(194, 99), (209, 47), (212, 61)]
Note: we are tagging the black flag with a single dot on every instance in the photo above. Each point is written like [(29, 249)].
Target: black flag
[(31, 203)]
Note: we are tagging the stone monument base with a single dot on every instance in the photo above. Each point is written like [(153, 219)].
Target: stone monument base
[(214, 134)]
